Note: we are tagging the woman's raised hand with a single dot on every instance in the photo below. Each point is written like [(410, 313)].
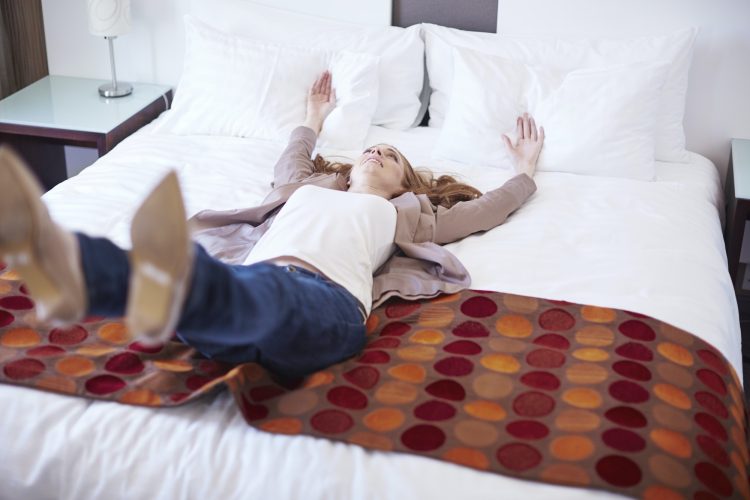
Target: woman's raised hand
[(525, 152), (320, 102)]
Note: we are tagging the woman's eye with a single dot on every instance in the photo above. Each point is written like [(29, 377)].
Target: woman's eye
[(392, 156)]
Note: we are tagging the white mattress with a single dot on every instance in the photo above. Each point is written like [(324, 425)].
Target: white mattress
[(654, 248)]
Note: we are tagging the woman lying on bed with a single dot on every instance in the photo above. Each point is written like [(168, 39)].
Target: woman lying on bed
[(305, 268)]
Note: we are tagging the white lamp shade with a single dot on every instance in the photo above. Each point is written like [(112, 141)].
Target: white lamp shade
[(109, 17)]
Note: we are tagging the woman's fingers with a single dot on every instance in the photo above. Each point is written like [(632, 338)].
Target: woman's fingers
[(526, 128), (328, 86), (316, 85), (322, 84), (508, 144)]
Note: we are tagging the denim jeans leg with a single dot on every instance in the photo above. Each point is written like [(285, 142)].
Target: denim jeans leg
[(106, 271), (292, 323)]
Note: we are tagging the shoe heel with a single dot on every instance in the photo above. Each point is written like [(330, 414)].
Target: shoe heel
[(152, 302), (161, 260)]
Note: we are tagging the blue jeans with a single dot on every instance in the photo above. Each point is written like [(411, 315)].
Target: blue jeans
[(289, 320)]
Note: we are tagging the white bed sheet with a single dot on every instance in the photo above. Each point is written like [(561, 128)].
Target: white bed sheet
[(654, 248)]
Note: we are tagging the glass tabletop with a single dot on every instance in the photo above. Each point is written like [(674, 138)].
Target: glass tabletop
[(741, 168), (72, 103)]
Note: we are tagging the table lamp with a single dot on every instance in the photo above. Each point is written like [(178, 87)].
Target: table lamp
[(110, 18)]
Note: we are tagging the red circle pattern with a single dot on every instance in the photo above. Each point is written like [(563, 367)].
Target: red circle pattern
[(82, 359), (516, 385)]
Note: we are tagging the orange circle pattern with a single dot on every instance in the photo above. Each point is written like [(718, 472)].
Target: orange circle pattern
[(533, 388), (83, 359)]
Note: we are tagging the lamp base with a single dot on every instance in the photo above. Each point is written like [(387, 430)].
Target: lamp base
[(109, 90)]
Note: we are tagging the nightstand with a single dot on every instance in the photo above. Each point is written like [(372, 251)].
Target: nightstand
[(737, 195), (56, 111)]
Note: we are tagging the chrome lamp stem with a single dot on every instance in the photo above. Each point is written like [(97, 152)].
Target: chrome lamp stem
[(113, 89)]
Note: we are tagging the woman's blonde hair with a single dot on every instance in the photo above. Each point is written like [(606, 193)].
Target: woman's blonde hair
[(442, 191)]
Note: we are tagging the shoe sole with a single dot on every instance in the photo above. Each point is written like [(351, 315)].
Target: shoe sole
[(18, 232), (160, 266)]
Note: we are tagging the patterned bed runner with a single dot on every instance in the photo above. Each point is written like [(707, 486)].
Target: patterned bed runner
[(537, 389)]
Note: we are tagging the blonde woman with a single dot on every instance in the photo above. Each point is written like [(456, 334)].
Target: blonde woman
[(288, 284)]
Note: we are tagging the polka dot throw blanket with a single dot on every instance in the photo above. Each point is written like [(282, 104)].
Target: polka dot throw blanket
[(539, 389)]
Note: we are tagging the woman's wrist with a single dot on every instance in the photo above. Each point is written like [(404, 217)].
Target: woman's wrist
[(527, 168), (315, 124)]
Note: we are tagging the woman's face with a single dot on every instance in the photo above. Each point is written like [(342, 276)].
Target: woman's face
[(380, 167)]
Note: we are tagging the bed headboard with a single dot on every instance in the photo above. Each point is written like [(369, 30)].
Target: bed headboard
[(717, 108), (474, 15)]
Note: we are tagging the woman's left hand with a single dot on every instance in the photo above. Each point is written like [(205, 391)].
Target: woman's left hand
[(525, 152), (320, 102)]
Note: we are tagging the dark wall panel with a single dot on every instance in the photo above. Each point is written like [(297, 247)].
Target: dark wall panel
[(23, 53), (473, 15)]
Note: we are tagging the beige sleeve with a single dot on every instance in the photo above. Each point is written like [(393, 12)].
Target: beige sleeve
[(295, 163), (489, 210)]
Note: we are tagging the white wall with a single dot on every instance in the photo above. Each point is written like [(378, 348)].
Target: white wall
[(718, 103)]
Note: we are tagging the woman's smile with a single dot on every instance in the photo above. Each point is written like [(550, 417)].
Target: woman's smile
[(374, 160)]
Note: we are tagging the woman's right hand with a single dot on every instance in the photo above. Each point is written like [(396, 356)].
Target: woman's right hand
[(320, 102), (525, 152)]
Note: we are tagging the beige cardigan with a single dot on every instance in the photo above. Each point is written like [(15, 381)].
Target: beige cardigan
[(420, 267)]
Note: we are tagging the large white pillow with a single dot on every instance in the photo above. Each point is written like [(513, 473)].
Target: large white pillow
[(565, 55), (401, 50), (235, 86), (597, 121)]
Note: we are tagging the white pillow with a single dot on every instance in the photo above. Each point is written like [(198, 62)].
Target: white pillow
[(597, 121), (401, 50), (569, 55), (235, 86)]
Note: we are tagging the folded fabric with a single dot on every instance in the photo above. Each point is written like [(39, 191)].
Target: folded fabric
[(542, 390), (568, 55), (235, 86), (598, 121)]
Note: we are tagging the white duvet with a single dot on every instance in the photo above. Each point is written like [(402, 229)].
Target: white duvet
[(650, 247)]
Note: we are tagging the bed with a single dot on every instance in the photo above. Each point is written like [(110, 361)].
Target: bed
[(651, 247)]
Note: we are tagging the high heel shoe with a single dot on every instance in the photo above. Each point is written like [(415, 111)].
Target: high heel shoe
[(161, 263), (44, 255)]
